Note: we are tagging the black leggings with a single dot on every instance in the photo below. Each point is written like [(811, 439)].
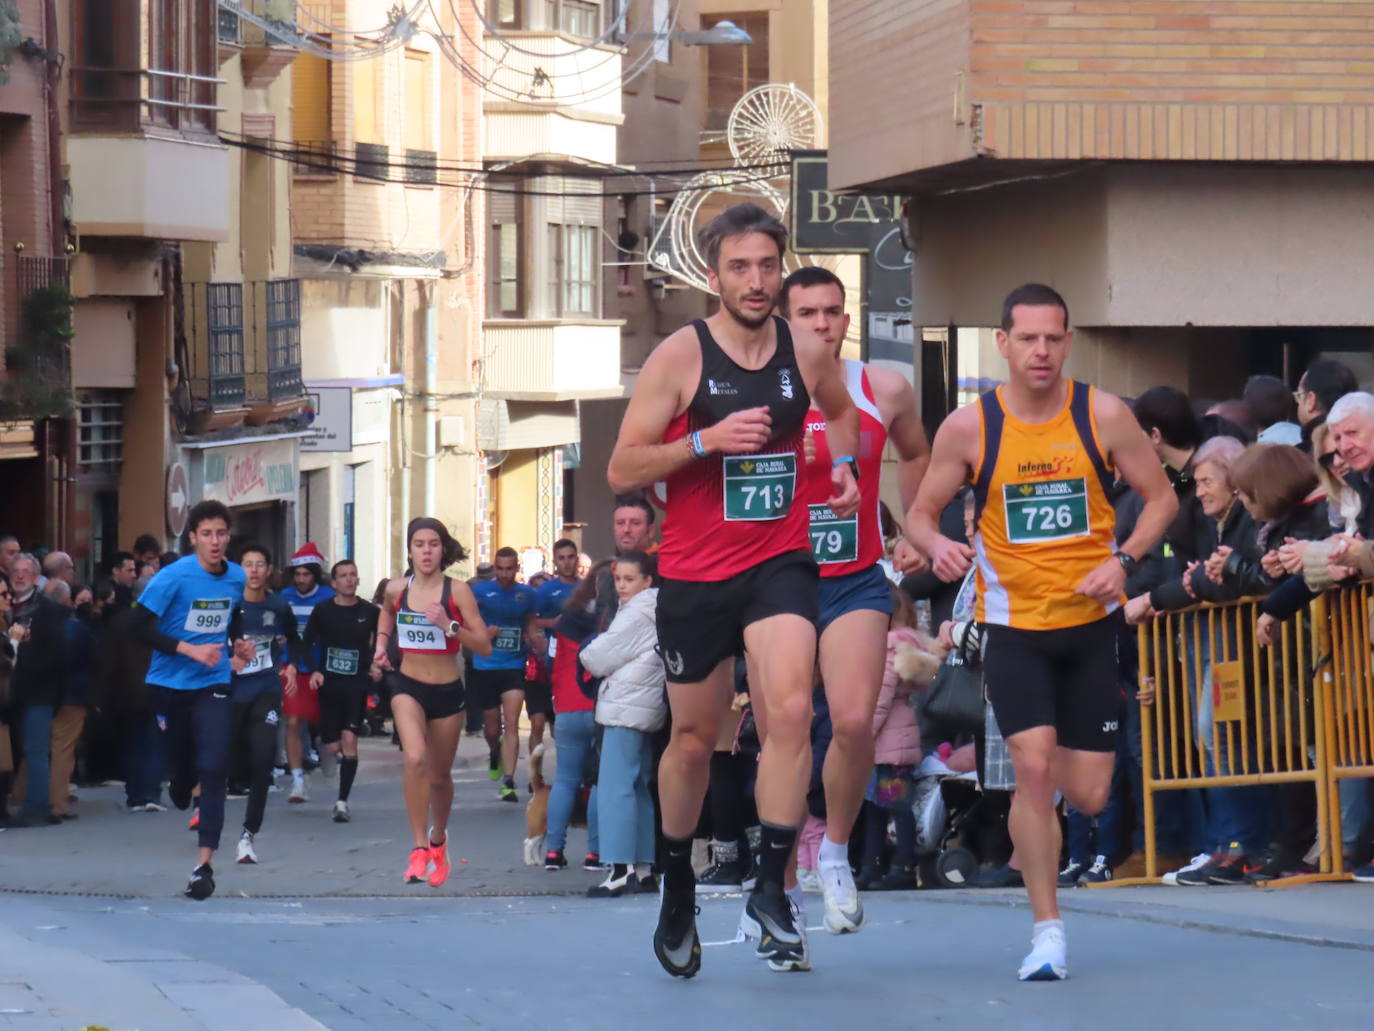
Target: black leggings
[(195, 730), (255, 740)]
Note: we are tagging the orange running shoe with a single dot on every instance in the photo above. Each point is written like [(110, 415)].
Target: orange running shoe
[(419, 863), (438, 855), (194, 821)]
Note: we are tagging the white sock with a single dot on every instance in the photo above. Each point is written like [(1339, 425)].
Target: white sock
[(1041, 926), (298, 775), (830, 852)]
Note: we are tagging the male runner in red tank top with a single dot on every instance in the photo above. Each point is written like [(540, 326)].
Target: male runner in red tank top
[(855, 596), (719, 413)]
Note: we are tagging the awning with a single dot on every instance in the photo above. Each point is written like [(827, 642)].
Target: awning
[(513, 425)]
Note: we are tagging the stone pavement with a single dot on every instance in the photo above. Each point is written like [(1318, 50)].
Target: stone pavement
[(323, 933)]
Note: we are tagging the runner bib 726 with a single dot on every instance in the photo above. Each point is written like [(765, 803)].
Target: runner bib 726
[(208, 615), (1051, 510), (758, 487), (833, 539), (414, 632)]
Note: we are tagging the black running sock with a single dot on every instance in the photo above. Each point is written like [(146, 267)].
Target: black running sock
[(348, 769), (619, 870), (677, 864), (508, 782), (777, 846)]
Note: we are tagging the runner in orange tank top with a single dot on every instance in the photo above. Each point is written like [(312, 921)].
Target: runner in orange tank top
[(1042, 453)]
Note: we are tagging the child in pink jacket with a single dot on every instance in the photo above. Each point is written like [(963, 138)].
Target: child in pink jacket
[(911, 666)]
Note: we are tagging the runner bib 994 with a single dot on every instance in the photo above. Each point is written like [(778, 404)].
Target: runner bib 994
[(833, 539), (758, 487), (209, 615), (414, 632)]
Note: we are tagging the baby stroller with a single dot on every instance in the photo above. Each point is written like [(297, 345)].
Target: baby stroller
[(944, 804)]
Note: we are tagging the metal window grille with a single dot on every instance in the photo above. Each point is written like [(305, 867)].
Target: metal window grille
[(318, 158), (224, 312), (100, 431), (228, 26), (283, 339), (371, 161)]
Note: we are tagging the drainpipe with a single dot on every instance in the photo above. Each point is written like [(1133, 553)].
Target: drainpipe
[(431, 400)]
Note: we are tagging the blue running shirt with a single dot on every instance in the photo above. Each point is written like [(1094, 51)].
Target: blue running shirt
[(193, 606), (508, 611), (302, 605), (548, 602), (271, 626)]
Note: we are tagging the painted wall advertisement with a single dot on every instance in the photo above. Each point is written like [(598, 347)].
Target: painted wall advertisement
[(248, 474)]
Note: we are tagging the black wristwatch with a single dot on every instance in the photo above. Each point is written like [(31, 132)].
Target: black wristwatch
[(1127, 562)]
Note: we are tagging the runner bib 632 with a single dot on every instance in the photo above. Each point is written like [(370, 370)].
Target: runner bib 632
[(758, 487), (343, 662)]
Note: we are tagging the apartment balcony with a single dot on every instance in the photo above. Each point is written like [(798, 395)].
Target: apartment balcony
[(264, 39), (244, 351), (563, 360), (143, 156), (553, 101)]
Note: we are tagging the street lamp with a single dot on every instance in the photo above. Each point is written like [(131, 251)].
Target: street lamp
[(725, 33)]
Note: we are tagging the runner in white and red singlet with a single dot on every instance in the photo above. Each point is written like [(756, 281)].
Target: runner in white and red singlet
[(855, 601), (719, 414)]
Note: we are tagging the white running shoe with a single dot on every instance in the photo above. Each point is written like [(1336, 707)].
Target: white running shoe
[(246, 853), (1047, 959), (298, 792), (844, 913), (1196, 863), (341, 811)]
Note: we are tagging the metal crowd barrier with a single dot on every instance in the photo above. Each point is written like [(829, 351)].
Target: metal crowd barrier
[(1227, 712), (1349, 744)]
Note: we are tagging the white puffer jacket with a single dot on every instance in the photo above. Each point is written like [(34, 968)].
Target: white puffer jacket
[(632, 693)]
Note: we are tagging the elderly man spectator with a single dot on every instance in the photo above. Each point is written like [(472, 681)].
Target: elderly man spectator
[(58, 565), (1271, 405), (1322, 385), (36, 686)]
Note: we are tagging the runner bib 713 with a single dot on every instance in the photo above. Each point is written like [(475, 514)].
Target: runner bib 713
[(758, 487)]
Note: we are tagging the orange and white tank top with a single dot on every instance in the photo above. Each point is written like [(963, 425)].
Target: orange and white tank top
[(1044, 518)]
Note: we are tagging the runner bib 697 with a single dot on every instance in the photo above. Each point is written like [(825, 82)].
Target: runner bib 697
[(414, 632), (208, 615), (833, 539), (507, 639), (758, 487), (262, 657), (343, 662), (1049, 510)]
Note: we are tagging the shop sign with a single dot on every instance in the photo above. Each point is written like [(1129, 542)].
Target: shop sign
[(332, 425), (247, 474)]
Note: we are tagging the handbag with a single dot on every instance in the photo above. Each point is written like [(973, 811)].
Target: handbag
[(955, 699)]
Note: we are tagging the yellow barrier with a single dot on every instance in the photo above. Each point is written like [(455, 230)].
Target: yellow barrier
[(1227, 712), (1349, 728)]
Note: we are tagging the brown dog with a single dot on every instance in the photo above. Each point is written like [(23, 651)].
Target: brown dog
[(537, 811)]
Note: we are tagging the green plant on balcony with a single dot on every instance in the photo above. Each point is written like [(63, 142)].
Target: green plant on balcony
[(11, 35), (38, 381)]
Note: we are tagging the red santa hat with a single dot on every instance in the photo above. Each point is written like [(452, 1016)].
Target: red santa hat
[(308, 555)]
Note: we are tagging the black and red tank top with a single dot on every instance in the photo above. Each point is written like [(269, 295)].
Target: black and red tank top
[(415, 633), (728, 513)]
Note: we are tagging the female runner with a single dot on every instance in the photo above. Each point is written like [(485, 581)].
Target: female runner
[(432, 617)]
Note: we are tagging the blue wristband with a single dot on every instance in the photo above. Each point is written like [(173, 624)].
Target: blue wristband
[(841, 460), (698, 449)]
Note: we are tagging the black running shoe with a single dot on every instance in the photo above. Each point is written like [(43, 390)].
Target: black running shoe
[(727, 876), (202, 883), (554, 859), (676, 945), (769, 919)]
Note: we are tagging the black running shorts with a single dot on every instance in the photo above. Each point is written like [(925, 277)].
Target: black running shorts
[(439, 701), (343, 704), (701, 623), (1067, 679), (488, 685)]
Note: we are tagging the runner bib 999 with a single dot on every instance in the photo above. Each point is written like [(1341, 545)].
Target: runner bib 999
[(507, 639), (1050, 510), (208, 615), (414, 632), (343, 662), (758, 487), (833, 539)]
